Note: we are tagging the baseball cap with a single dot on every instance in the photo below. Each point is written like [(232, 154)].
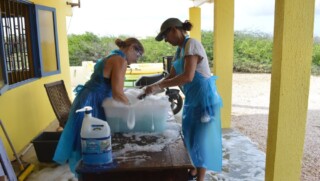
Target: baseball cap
[(171, 22)]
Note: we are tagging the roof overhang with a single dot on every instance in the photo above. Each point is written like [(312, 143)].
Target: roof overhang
[(200, 2)]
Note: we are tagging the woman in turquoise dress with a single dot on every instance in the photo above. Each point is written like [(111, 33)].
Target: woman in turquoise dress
[(107, 80), (201, 123)]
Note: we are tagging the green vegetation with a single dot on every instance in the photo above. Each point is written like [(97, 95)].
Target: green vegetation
[(88, 47), (252, 50)]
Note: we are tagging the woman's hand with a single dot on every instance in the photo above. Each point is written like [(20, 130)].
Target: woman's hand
[(152, 89)]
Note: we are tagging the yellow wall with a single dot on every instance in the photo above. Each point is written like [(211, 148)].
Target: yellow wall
[(26, 110)]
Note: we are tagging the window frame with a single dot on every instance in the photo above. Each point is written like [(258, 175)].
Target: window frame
[(3, 65), (39, 51), (35, 44)]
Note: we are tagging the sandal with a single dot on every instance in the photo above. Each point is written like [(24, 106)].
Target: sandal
[(192, 177)]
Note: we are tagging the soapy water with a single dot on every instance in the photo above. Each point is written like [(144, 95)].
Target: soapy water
[(169, 136), (146, 115), (205, 118), (131, 121), (148, 141), (152, 124), (241, 158)]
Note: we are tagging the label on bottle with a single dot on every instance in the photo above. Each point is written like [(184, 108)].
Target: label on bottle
[(96, 145), (96, 151)]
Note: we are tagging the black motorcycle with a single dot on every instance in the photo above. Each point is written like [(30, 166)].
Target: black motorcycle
[(174, 94)]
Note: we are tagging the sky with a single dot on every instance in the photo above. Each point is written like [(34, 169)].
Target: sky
[(143, 18)]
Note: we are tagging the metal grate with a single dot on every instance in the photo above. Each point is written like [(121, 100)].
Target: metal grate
[(17, 42)]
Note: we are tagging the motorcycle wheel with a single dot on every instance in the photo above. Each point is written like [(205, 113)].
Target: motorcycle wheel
[(176, 104)]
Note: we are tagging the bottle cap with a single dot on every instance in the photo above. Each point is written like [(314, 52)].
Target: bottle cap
[(86, 109)]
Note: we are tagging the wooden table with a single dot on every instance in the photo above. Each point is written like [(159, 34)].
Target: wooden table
[(170, 164)]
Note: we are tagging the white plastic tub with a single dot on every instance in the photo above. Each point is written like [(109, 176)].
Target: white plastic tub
[(148, 115)]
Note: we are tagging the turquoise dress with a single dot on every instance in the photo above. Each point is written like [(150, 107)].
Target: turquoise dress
[(201, 122), (91, 94)]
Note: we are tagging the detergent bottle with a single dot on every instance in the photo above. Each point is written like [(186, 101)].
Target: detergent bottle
[(95, 139)]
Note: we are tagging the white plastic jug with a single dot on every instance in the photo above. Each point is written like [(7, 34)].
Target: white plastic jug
[(95, 139)]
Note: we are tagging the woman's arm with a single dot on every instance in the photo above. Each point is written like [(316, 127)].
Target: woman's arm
[(118, 71), (172, 73), (190, 65)]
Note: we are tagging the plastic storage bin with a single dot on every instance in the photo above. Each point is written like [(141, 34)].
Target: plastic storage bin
[(149, 114), (45, 145)]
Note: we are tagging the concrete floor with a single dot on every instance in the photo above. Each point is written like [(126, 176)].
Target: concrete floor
[(242, 161)]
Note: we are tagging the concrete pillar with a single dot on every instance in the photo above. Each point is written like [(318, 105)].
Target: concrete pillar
[(292, 52), (223, 54), (195, 19)]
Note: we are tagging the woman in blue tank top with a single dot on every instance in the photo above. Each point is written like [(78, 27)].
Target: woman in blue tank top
[(107, 80), (201, 124)]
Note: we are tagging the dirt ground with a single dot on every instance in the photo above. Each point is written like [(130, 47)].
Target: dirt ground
[(250, 107)]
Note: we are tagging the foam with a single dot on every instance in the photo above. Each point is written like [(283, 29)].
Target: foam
[(146, 115)]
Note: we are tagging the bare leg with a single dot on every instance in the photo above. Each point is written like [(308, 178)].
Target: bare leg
[(193, 171), (59, 129), (201, 174)]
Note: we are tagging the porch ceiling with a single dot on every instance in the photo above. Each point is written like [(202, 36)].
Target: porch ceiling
[(200, 2)]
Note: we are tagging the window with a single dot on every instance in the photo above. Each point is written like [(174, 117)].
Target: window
[(2, 83), (48, 40), (29, 46), (16, 59)]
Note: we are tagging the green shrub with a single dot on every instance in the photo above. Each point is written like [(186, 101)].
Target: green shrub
[(252, 50)]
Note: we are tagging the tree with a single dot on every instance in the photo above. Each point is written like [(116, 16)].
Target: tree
[(252, 50), (154, 50), (88, 47)]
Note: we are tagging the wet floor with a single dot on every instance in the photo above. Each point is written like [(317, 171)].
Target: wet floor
[(242, 161)]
